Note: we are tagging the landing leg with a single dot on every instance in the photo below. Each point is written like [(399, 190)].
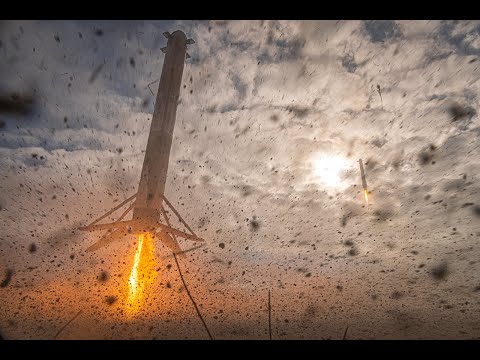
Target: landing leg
[(167, 220), (178, 215), (115, 209), (170, 239)]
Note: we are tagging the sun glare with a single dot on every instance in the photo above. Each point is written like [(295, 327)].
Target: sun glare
[(329, 169)]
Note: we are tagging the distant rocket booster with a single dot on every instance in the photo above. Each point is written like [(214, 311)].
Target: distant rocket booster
[(364, 181)]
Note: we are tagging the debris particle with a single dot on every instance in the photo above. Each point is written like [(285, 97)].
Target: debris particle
[(458, 111), (440, 271), (424, 158), (95, 73), (352, 252), (254, 224), (32, 248), (103, 276), (110, 300), (7, 279), (16, 103), (348, 242), (397, 295), (476, 210)]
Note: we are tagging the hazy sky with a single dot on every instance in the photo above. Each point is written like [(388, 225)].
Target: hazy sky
[(265, 107)]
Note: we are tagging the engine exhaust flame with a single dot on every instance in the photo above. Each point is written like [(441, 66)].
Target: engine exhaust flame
[(365, 192), (142, 273), (133, 280)]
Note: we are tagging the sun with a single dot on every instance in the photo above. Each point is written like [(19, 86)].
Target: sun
[(328, 168)]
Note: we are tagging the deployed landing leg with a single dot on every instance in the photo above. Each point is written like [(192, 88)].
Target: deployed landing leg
[(118, 229), (111, 234), (172, 240)]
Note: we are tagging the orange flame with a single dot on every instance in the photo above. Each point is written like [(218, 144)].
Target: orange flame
[(142, 273), (365, 192)]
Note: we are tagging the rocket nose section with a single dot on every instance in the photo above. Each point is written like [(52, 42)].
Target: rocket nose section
[(179, 36), (177, 39)]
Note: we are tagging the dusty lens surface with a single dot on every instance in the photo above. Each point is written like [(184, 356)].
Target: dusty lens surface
[(272, 119)]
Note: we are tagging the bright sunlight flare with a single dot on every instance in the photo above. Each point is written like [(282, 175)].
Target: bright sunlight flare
[(329, 169)]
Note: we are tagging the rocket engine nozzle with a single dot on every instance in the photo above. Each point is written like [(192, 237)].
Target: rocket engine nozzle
[(144, 220)]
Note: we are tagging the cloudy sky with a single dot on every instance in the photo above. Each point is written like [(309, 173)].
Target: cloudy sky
[(272, 119)]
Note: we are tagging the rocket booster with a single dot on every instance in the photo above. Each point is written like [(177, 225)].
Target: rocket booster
[(157, 153), (364, 181), (148, 204)]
